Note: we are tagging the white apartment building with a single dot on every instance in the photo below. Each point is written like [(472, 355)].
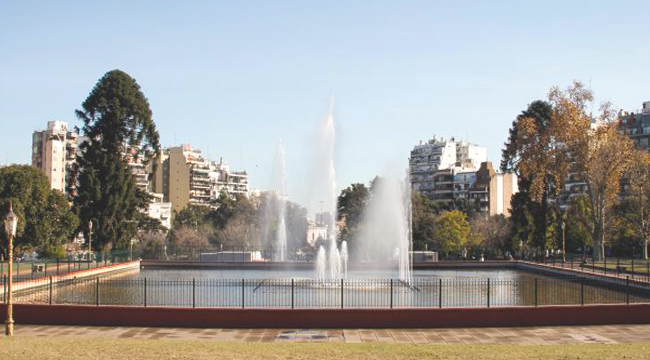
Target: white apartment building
[(222, 179), (443, 169), (53, 151)]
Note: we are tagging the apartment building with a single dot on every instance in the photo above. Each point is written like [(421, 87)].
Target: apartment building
[(185, 177), (492, 191), (637, 125), (444, 169), (53, 151)]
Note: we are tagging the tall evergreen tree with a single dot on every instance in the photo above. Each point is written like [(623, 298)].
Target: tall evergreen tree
[(119, 128)]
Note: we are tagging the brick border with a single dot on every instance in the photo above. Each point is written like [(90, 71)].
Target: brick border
[(329, 318)]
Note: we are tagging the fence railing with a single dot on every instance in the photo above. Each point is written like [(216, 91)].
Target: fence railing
[(351, 293), (636, 269), (44, 268)]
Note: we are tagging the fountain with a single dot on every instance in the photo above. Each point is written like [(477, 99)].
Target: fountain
[(320, 264), (386, 229), (281, 202)]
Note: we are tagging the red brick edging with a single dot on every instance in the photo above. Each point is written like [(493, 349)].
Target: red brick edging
[(329, 318)]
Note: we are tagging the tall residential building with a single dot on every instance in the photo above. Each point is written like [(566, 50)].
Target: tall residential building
[(493, 191), (185, 178), (440, 168), (53, 151), (637, 126)]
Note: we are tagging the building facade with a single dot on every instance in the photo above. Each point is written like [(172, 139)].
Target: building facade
[(186, 178), (54, 150), (492, 191), (444, 169), (636, 125)]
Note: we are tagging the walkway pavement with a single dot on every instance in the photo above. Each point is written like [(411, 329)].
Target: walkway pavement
[(610, 334)]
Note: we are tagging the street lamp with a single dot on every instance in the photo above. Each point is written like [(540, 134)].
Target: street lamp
[(90, 239), (11, 223), (563, 242)]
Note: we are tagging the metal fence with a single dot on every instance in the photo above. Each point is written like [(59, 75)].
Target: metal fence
[(352, 293), (638, 270), (44, 268)]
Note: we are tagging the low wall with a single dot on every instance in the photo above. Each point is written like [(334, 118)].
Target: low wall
[(329, 318), (309, 266)]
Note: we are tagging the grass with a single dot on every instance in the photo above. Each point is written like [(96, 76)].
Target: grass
[(95, 349)]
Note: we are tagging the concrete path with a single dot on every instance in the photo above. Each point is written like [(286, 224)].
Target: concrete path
[(610, 334)]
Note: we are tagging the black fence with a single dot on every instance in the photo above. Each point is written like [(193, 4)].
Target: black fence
[(44, 268), (638, 270), (352, 293)]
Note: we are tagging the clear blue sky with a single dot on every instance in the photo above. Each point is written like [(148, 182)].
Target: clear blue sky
[(233, 77)]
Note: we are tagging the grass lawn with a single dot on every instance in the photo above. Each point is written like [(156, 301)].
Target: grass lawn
[(90, 348)]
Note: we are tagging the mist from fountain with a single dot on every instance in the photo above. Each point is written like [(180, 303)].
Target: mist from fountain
[(281, 202), (386, 228), (320, 264), (344, 259)]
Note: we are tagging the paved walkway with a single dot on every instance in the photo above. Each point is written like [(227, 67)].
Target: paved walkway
[(610, 334)]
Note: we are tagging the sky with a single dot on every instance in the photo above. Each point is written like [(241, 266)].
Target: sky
[(232, 78)]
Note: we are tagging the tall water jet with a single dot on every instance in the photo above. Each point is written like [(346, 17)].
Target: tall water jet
[(326, 172), (344, 259), (386, 232), (281, 203), (320, 264)]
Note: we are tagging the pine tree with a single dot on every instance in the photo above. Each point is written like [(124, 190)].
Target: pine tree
[(119, 128)]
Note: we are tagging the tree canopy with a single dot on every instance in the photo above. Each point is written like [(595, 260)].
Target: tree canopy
[(45, 221), (120, 130)]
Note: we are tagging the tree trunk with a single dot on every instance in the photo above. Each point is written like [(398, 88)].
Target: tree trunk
[(599, 243)]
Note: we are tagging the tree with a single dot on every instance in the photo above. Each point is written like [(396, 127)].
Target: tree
[(351, 204), (424, 213), (119, 126), (532, 153), (489, 234), (452, 231), (635, 207), (188, 240), (44, 218), (599, 152)]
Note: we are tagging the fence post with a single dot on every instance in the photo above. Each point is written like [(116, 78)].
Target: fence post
[(145, 292), (593, 264), (243, 299), (582, 291), (4, 286), (97, 292), (440, 293), (536, 299), (193, 293), (391, 293), (341, 293), (488, 290), (292, 294), (50, 290), (627, 290)]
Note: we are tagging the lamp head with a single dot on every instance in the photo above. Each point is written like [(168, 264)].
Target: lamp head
[(11, 222)]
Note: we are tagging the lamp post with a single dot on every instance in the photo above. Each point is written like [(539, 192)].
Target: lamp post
[(11, 223), (563, 242), (90, 239)]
